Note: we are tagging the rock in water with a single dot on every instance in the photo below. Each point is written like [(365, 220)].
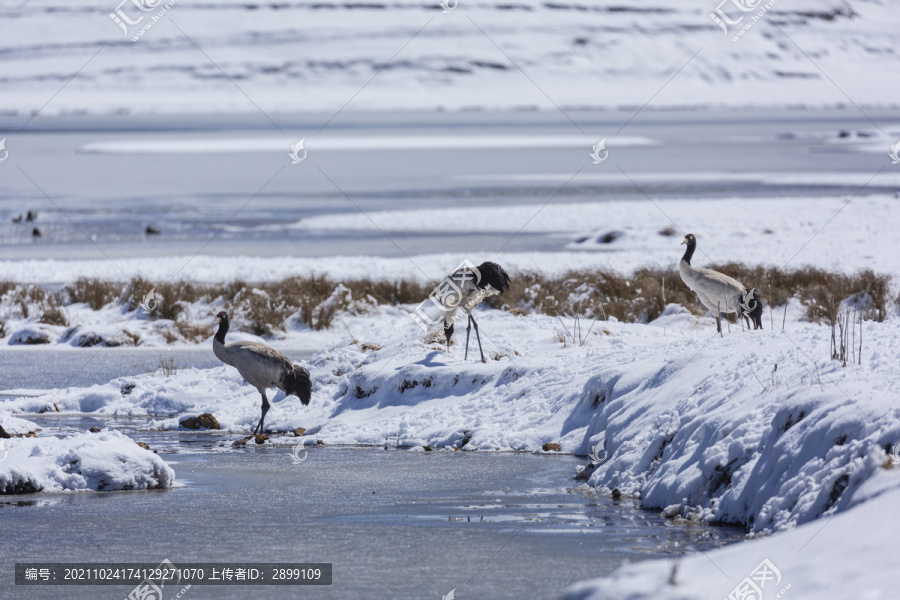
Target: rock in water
[(206, 421)]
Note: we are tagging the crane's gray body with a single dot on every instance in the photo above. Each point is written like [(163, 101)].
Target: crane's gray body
[(262, 367)]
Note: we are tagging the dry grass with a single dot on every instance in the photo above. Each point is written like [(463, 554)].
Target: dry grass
[(643, 296), (191, 332), (267, 308), (598, 294), (53, 314), (96, 293), (818, 290)]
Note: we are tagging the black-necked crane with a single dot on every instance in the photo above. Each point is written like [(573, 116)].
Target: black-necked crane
[(262, 367), (719, 292), (488, 279)]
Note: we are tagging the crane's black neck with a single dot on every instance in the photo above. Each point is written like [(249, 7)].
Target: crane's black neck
[(689, 251), (223, 329)]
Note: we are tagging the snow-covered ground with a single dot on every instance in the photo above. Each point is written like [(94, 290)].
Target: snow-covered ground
[(836, 557), (399, 55), (105, 461), (757, 428)]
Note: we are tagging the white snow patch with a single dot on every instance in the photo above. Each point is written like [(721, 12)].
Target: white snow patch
[(106, 461)]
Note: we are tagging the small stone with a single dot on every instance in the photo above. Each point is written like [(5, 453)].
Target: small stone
[(206, 420), (299, 431), (550, 447), (241, 442), (616, 494), (320, 443), (143, 445), (98, 430), (260, 439), (427, 448)]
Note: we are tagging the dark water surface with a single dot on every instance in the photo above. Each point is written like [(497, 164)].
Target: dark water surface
[(394, 524)]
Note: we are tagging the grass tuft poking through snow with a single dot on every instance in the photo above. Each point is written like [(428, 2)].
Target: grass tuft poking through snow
[(109, 313)]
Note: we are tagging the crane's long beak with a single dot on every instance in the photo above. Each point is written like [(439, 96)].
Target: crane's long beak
[(217, 320), (683, 242)]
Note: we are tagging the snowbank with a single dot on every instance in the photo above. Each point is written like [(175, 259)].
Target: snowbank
[(754, 428), (106, 461), (12, 427), (843, 557)]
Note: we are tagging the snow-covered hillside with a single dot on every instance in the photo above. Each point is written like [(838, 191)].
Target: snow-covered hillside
[(314, 55)]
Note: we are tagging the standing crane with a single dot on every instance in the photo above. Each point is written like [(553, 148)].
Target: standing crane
[(262, 367), (474, 285), (719, 292)]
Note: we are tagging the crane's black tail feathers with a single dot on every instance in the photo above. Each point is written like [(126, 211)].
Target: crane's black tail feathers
[(751, 307), (297, 382), (493, 274)]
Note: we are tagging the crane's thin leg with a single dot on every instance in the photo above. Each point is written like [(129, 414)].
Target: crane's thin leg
[(478, 337), (448, 333), (260, 427), (468, 329)]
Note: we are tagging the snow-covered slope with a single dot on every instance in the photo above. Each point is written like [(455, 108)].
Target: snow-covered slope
[(313, 55), (843, 557)]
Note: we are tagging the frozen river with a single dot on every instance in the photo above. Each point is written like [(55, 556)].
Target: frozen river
[(225, 186), (394, 524)]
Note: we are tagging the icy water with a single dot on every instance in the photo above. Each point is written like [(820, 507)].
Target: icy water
[(394, 524), (224, 185), (26, 366)]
